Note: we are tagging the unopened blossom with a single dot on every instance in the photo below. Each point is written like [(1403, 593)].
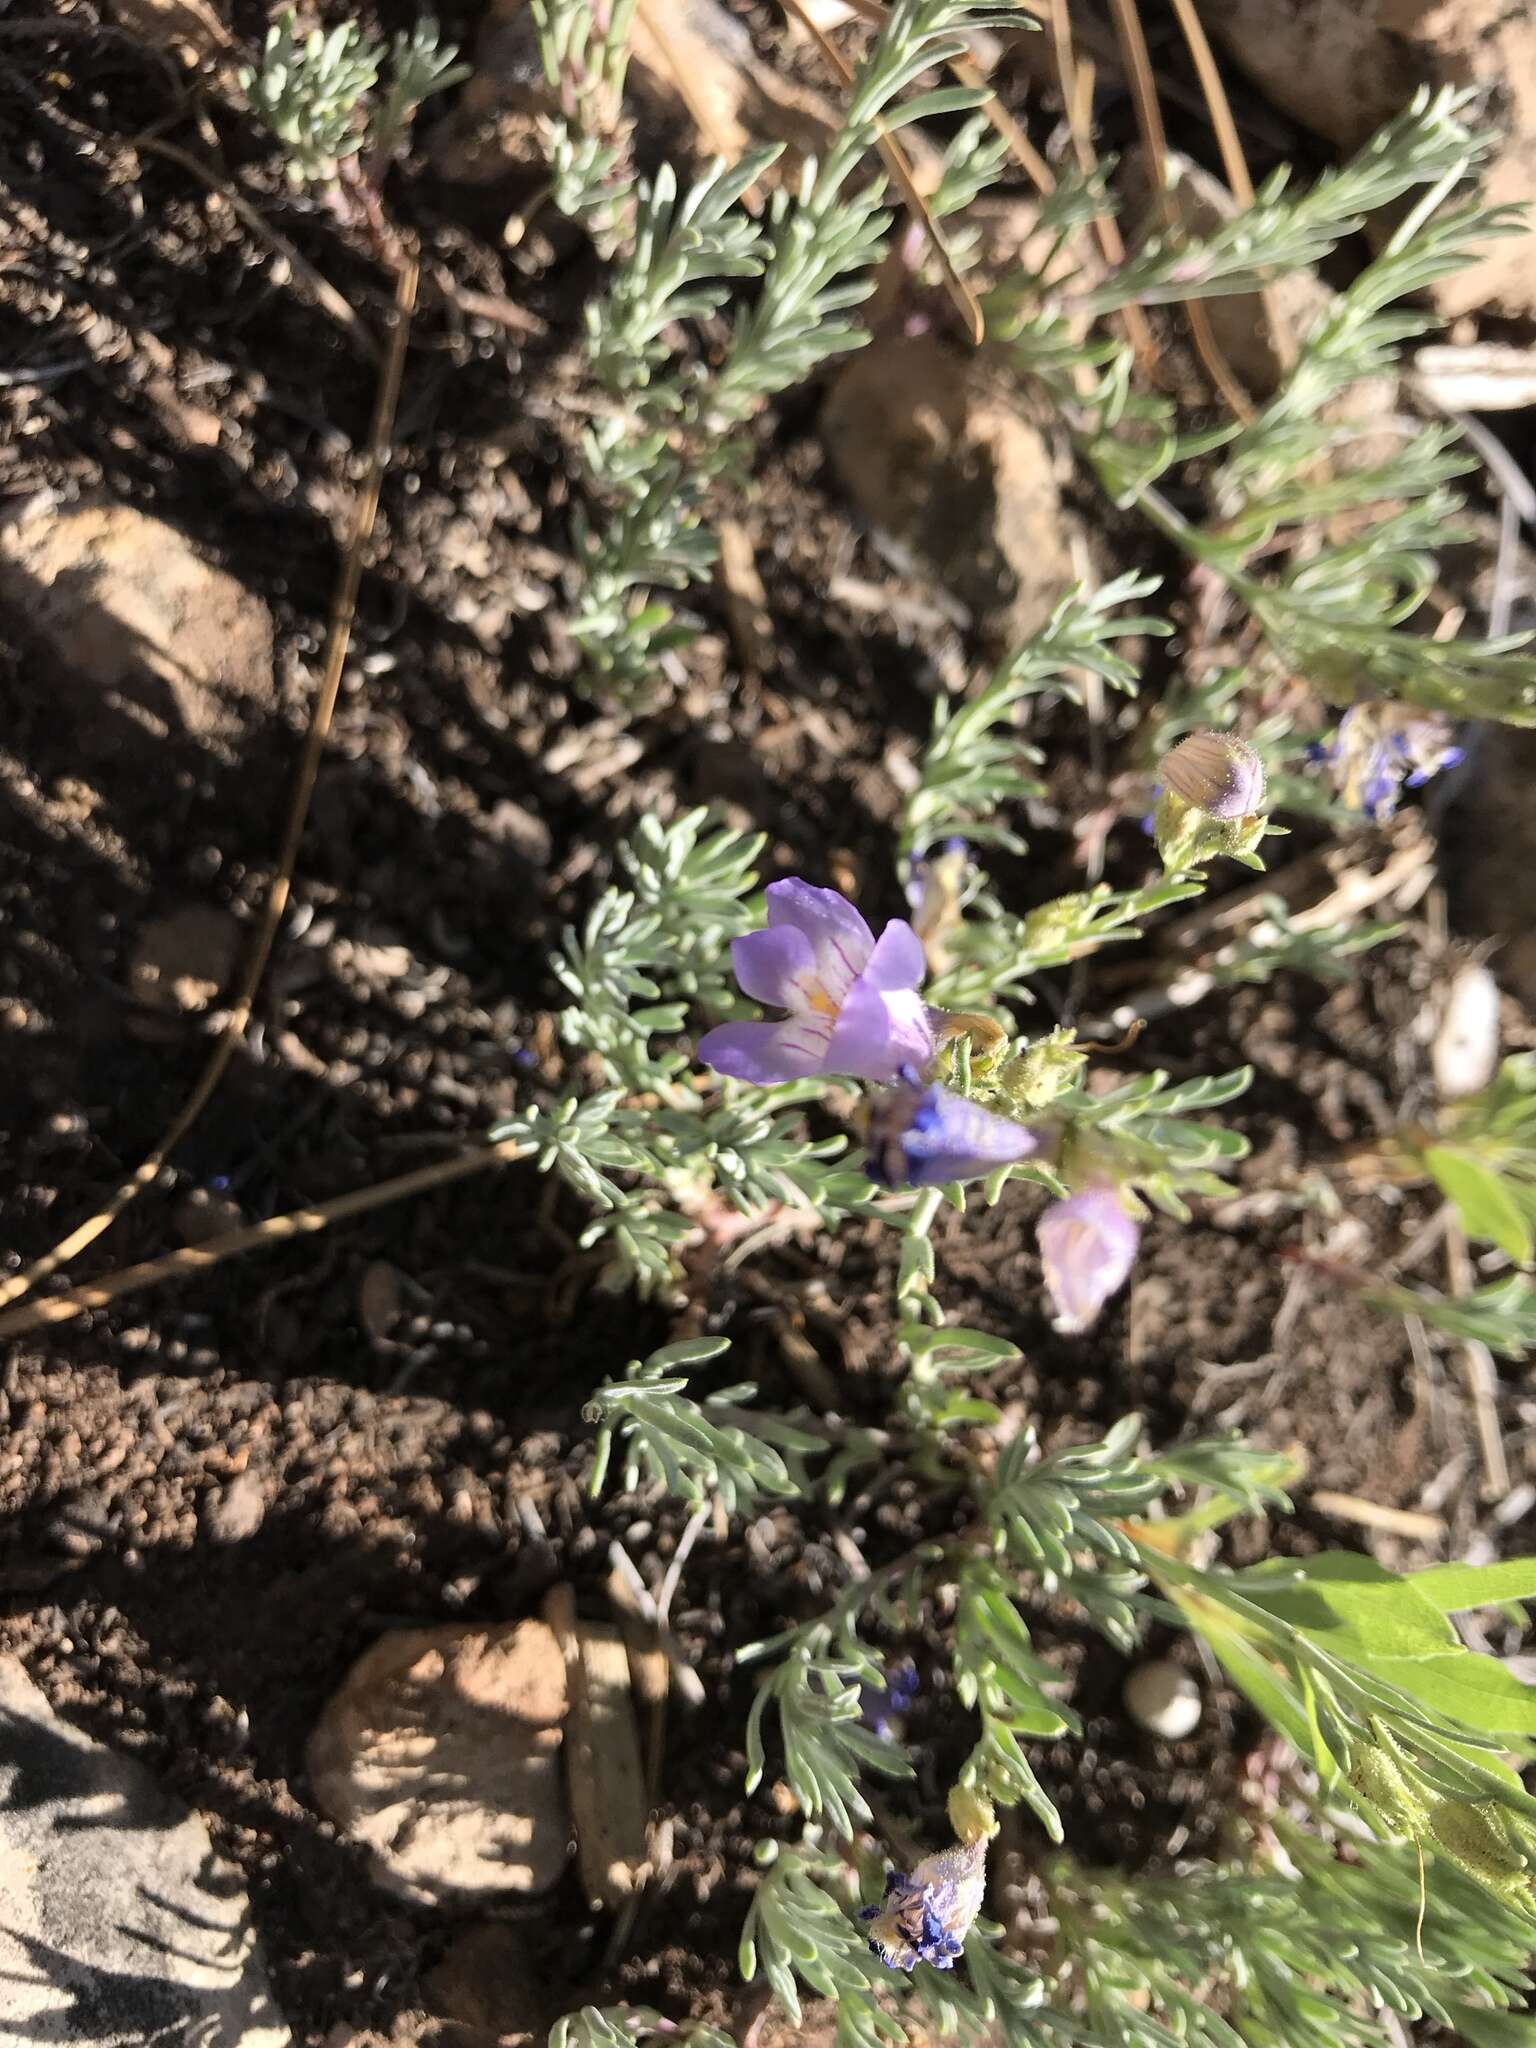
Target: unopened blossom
[(1381, 749), (1211, 801), (927, 1913), (1217, 773), (1088, 1246), (851, 999), (936, 888), (925, 1136)]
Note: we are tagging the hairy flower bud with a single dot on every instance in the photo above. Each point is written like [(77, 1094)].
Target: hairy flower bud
[(1219, 775), (971, 1814), (1212, 802), (1477, 1840)]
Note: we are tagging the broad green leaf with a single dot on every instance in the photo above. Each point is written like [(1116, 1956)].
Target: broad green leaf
[(1477, 1691), (1457, 1588), (1488, 1209), (1354, 1608)]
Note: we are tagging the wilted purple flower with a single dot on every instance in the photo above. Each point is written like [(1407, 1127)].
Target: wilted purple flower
[(1088, 1245), (926, 1136), (852, 998), (1218, 774), (881, 1708), (1379, 749), (925, 1917)]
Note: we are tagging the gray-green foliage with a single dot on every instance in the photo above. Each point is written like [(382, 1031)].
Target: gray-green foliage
[(976, 762), (675, 1443), (1482, 1155), (678, 430), (315, 91), (642, 1147)]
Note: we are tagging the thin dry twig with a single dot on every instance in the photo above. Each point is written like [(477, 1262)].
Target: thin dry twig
[(1369, 1514), (1478, 1371), (195, 1258), (1073, 78), (630, 1591), (1149, 119), (1233, 162), (343, 608), (679, 1558)]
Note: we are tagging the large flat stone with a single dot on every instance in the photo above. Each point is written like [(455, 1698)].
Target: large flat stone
[(119, 1926), (441, 1752)]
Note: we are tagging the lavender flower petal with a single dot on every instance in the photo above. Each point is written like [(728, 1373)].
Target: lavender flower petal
[(840, 939), (1088, 1246), (768, 1053), (898, 960), (926, 1916), (927, 1137), (877, 1035), (776, 966)]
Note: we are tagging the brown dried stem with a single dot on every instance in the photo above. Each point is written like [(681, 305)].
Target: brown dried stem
[(1149, 118)]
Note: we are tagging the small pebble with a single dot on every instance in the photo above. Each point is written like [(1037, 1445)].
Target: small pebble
[(1162, 1698)]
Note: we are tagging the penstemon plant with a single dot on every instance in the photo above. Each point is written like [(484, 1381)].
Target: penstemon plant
[(1398, 1735), (1390, 1875)]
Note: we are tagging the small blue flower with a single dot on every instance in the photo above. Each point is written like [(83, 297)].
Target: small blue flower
[(926, 1915), (1381, 749), (926, 1136), (881, 1708)]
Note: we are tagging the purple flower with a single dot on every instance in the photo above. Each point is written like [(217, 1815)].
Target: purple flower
[(852, 998), (1088, 1245), (925, 1917), (926, 1136), (1379, 749), (881, 1708)]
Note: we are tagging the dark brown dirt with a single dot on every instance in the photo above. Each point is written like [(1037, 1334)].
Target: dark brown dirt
[(214, 1496)]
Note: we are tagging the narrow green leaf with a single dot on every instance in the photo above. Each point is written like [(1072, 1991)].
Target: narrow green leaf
[(1488, 1209)]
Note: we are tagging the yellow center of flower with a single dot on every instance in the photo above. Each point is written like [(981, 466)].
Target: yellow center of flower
[(816, 995)]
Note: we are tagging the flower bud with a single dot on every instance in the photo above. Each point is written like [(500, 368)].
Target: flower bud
[(1476, 1840), (1377, 1782), (1218, 774), (1212, 802), (1043, 1070), (971, 1815)]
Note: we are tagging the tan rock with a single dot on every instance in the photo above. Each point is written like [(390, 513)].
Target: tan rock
[(1344, 67), (441, 1752), (184, 962), (604, 1774), (951, 472), (166, 644)]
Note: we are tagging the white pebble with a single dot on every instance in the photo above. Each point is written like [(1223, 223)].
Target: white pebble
[(1164, 1699), (1465, 1053)]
